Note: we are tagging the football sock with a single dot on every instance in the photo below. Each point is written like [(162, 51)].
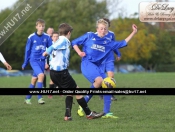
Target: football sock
[(32, 86), (55, 85), (68, 101), (51, 85), (88, 97), (107, 103), (83, 104), (40, 85), (44, 81), (29, 96)]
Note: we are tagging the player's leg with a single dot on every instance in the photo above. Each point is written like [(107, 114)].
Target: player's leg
[(40, 85), (92, 74), (32, 85), (107, 101), (110, 72), (51, 85), (109, 67), (59, 78), (68, 82), (68, 103), (89, 114), (107, 107), (38, 67), (44, 81)]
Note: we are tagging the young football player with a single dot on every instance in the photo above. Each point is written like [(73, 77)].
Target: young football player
[(35, 46), (60, 52), (55, 37), (96, 48)]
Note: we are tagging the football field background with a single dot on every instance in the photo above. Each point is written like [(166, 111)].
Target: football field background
[(144, 113), (131, 80)]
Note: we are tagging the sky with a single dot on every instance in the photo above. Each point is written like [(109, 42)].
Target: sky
[(6, 3), (130, 6)]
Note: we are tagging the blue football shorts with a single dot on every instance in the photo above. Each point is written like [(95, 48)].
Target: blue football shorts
[(109, 66), (92, 71), (38, 67)]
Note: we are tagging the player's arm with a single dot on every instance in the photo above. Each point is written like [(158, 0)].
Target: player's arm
[(2, 58), (134, 28), (123, 43), (79, 52), (58, 45), (49, 42), (4, 62), (27, 53), (80, 41), (118, 53), (48, 51)]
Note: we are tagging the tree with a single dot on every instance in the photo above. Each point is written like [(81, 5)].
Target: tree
[(81, 15), (164, 54), (142, 44)]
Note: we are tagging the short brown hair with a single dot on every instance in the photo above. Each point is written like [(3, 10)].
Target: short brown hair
[(55, 32), (40, 21), (64, 28)]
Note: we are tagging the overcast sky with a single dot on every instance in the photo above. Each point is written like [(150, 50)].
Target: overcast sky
[(131, 6), (6, 3)]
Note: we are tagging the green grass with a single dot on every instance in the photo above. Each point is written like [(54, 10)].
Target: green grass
[(132, 80), (136, 113)]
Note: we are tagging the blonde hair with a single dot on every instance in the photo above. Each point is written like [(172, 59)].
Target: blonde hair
[(40, 21), (102, 21)]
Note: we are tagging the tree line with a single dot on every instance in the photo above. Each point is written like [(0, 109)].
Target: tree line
[(151, 47)]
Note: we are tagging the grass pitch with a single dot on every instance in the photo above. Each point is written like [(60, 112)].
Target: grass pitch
[(136, 113)]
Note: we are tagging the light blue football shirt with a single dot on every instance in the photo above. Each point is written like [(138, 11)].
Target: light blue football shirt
[(60, 53)]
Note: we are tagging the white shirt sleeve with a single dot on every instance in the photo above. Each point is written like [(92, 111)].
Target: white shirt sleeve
[(2, 58)]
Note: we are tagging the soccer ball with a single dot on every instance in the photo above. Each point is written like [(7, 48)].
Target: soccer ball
[(109, 82)]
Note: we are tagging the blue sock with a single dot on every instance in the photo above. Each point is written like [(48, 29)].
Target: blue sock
[(107, 103), (40, 85), (29, 96), (88, 97)]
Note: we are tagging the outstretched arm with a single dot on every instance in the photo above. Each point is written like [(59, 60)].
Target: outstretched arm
[(134, 28)]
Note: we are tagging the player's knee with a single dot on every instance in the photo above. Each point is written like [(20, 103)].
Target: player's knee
[(41, 76), (34, 80), (79, 96), (98, 82), (110, 74)]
